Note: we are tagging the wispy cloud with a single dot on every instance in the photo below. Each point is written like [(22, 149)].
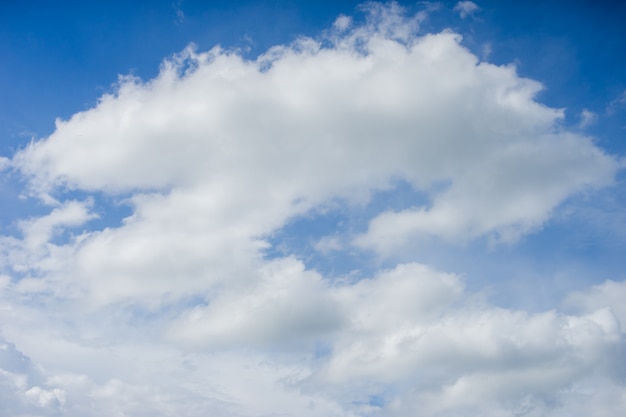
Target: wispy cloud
[(587, 118), (617, 103), (466, 8), (180, 15)]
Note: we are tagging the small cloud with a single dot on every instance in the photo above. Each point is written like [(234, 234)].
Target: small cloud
[(430, 6), (38, 231), (616, 103), (466, 8), (180, 16), (587, 118), (342, 23), (486, 51), (4, 163)]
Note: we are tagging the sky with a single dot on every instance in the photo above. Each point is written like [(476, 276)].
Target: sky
[(315, 209)]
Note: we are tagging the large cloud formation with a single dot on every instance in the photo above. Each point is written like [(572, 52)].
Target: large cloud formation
[(177, 310)]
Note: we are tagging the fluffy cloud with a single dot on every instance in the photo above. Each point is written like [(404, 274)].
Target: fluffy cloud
[(322, 123), (418, 342), (284, 304), (218, 152), (606, 295), (177, 310), (21, 384), (407, 339)]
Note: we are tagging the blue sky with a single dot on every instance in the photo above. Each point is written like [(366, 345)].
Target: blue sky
[(312, 208)]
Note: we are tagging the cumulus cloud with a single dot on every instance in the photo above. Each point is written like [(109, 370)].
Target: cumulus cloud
[(23, 390), (306, 123), (285, 304), (408, 339), (178, 310), (606, 295)]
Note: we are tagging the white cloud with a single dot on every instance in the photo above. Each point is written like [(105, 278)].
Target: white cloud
[(412, 337), (610, 294), (486, 51), (587, 118), (466, 8), (36, 253), (304, 124), (4, 163), (39, 231), (177, 311), (286, 304), (416, 340), (513, 193), (342, 23), (20, 390)]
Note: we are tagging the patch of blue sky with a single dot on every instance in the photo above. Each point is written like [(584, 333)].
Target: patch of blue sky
[(579, 246), (568, 47), (145, 313), (377, 401), (374, 400), (111, 210), (14, 206), (322, 350), (303, 236)]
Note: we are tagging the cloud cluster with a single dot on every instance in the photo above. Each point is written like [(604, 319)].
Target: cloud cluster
[(223, 151), (178, 309), (21, 384), (408, 339)]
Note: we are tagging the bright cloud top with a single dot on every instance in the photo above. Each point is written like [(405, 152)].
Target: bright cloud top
[(219, 152)]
